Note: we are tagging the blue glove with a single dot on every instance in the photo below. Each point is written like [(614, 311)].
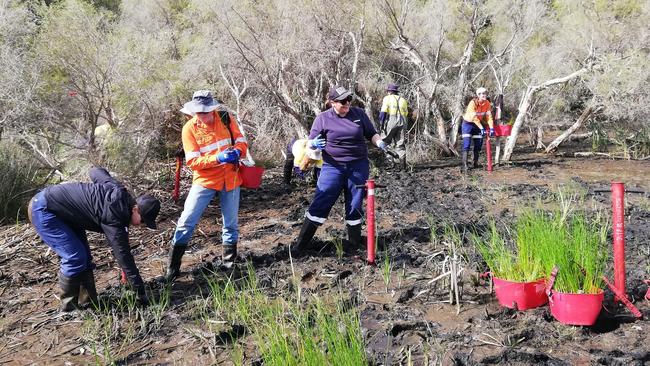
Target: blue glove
[(317, 143), (382, 145), (229, 156), (492, 133), (482, 131)]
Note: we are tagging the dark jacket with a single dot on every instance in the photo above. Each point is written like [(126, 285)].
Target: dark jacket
[(102, 206)]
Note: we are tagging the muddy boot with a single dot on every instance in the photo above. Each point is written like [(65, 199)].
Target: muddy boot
[(476, 165), (354, 235), (463, 157), (287, 173), (87, 289), (174, 267), (229, 255), (402, 163), (69, 292), (307, 232)]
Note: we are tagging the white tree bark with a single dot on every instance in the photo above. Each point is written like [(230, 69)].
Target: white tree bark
[(588, 112), (525, 103)]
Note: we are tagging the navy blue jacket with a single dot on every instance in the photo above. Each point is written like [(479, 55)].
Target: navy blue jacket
[(102, 206)]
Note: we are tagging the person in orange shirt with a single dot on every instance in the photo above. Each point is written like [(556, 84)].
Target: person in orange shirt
[(213, 145), (478, 112)]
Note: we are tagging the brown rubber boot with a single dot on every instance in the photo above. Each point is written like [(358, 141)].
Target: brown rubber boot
[(70, 287), (87, 289)]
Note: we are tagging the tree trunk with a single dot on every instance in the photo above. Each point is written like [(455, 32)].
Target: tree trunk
[(524, 105), (588, 112)]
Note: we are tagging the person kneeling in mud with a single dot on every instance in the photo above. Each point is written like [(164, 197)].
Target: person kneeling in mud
[(300, 160), (61, 215)]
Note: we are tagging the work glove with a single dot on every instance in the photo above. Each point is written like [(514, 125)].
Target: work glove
[(382, 145), (492, 133), (317, 143), (228, 156)]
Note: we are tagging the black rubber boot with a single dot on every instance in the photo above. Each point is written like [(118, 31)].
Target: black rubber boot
[(288, 171), (402, 163), (476, 155), (229, 255), (69, 292), (307, 232), (87, 289), (174, 266), (463, 157), (354, 235)]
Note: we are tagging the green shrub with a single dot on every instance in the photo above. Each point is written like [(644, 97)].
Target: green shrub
[(19, 181)]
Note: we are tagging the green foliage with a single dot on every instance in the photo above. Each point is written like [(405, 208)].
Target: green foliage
[(124, 152), (19, 180), (285, 333), (564, 237), (518, 263)]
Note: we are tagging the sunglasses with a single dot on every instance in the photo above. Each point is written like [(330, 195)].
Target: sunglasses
[(345, 101)]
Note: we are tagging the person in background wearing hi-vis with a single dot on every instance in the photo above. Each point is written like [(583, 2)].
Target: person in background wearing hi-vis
[(392, 122), (478, 112), (213, 145), (61, 215), (300, 159), (341, 133)]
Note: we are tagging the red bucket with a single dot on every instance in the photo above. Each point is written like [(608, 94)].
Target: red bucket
[(503, 130), (251, 176), (520, 295), (576, 309)]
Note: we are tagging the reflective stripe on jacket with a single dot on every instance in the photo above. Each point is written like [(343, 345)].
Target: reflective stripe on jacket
[(479, 112), (202, 143)]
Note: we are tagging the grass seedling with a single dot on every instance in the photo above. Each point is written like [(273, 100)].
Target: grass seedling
[(338, 245), (386, 269)]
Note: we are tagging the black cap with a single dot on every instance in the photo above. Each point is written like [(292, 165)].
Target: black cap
[(149, 207)]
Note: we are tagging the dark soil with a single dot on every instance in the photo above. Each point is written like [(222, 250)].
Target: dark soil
[(409, 321)]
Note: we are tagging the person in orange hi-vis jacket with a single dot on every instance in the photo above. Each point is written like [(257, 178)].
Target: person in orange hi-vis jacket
[(478, 112), (213, 145)]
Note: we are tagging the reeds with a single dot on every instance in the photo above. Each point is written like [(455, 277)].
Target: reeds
[(284, 331), (518, 262), (565, 238)]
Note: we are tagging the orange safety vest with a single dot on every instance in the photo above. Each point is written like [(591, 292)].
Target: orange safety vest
[(202, 143), (478, 112)]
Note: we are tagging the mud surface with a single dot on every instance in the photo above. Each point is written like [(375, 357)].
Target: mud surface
[(408, 320)]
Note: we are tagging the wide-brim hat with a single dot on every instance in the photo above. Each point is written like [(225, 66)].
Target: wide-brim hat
[(149, 207), (185, 111), (392, 87), (202, 102), (338, 93)]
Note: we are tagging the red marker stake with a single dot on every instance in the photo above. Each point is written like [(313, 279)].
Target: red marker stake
[(618, 226), (370, 185), (177, 180), (488, 150)]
